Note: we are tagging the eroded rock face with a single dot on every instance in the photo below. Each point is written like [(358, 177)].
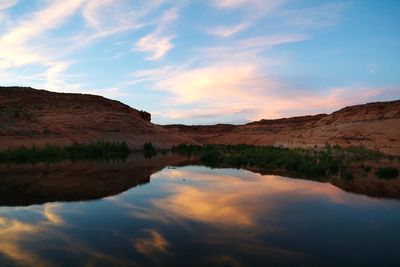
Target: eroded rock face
[(145, 115), (374, 126), (29, 116)]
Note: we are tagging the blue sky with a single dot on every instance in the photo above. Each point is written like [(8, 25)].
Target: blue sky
[(206, 61)]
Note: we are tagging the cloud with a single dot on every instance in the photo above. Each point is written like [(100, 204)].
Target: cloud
[(234, 4), (106, 15), (234, 75), (5, 4), (227, 31), (250, 48), (36, 41), (252, 11), (96, 13), (295, 19), (159, 43), (245, 90), (25, 43), (46, 19), (230, 3), (61, 45), (314, 17), (196, 84), (235, 79), (15, 45)]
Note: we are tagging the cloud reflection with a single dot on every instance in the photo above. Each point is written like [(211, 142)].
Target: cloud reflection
[(12, 232), (24, 239), (154, 243), (233, 212), (237, 199)]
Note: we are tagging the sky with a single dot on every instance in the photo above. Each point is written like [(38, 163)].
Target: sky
[(207, 61)]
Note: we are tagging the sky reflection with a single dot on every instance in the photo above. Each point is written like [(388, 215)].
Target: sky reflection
[(199, 216)]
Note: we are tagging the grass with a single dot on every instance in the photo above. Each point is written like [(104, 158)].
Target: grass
[(311, 163), (315, 163), (98, 150)]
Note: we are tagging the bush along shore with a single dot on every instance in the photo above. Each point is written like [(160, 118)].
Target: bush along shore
[(100, 150), (314, 163)]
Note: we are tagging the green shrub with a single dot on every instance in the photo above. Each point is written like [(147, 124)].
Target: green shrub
[(388, 173), (315, 163), (48, 153), (149, 151), (148, 146), (346, 174), (367, 168)]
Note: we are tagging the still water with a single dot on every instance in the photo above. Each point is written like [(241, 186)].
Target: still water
[(197, 216)]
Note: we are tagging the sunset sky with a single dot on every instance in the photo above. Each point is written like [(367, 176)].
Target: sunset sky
[(206, 61)]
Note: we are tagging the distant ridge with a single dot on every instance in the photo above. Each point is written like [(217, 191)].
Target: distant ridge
[(374, 125)]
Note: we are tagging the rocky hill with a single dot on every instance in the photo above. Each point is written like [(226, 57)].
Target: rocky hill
[(29, 116), (374, 126)]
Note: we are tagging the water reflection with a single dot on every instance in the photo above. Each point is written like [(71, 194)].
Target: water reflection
[(196, 216), (235, 197), (153, 244), (76, 181)]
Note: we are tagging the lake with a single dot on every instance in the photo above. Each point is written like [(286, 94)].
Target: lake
[(173, 212)]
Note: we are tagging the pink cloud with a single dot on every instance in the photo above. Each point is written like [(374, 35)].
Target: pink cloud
[(245, 90)]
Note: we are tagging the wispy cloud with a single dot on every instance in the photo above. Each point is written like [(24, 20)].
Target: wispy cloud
[(235, 105), (226, 31), (230, 3), (249, 48), (251, 12), (260, 4), (159, 42), (23, 43), (226, 86), (34, 39), (233, 61), (46, 19), (157, 45), (314, 17), (5, 4), (232, 74)]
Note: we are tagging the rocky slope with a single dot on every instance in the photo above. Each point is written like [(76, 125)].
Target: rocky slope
[(374, 126), (29, 116)]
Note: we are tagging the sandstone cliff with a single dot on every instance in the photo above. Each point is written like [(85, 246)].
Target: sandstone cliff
[(374, 126), (29, 116)]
